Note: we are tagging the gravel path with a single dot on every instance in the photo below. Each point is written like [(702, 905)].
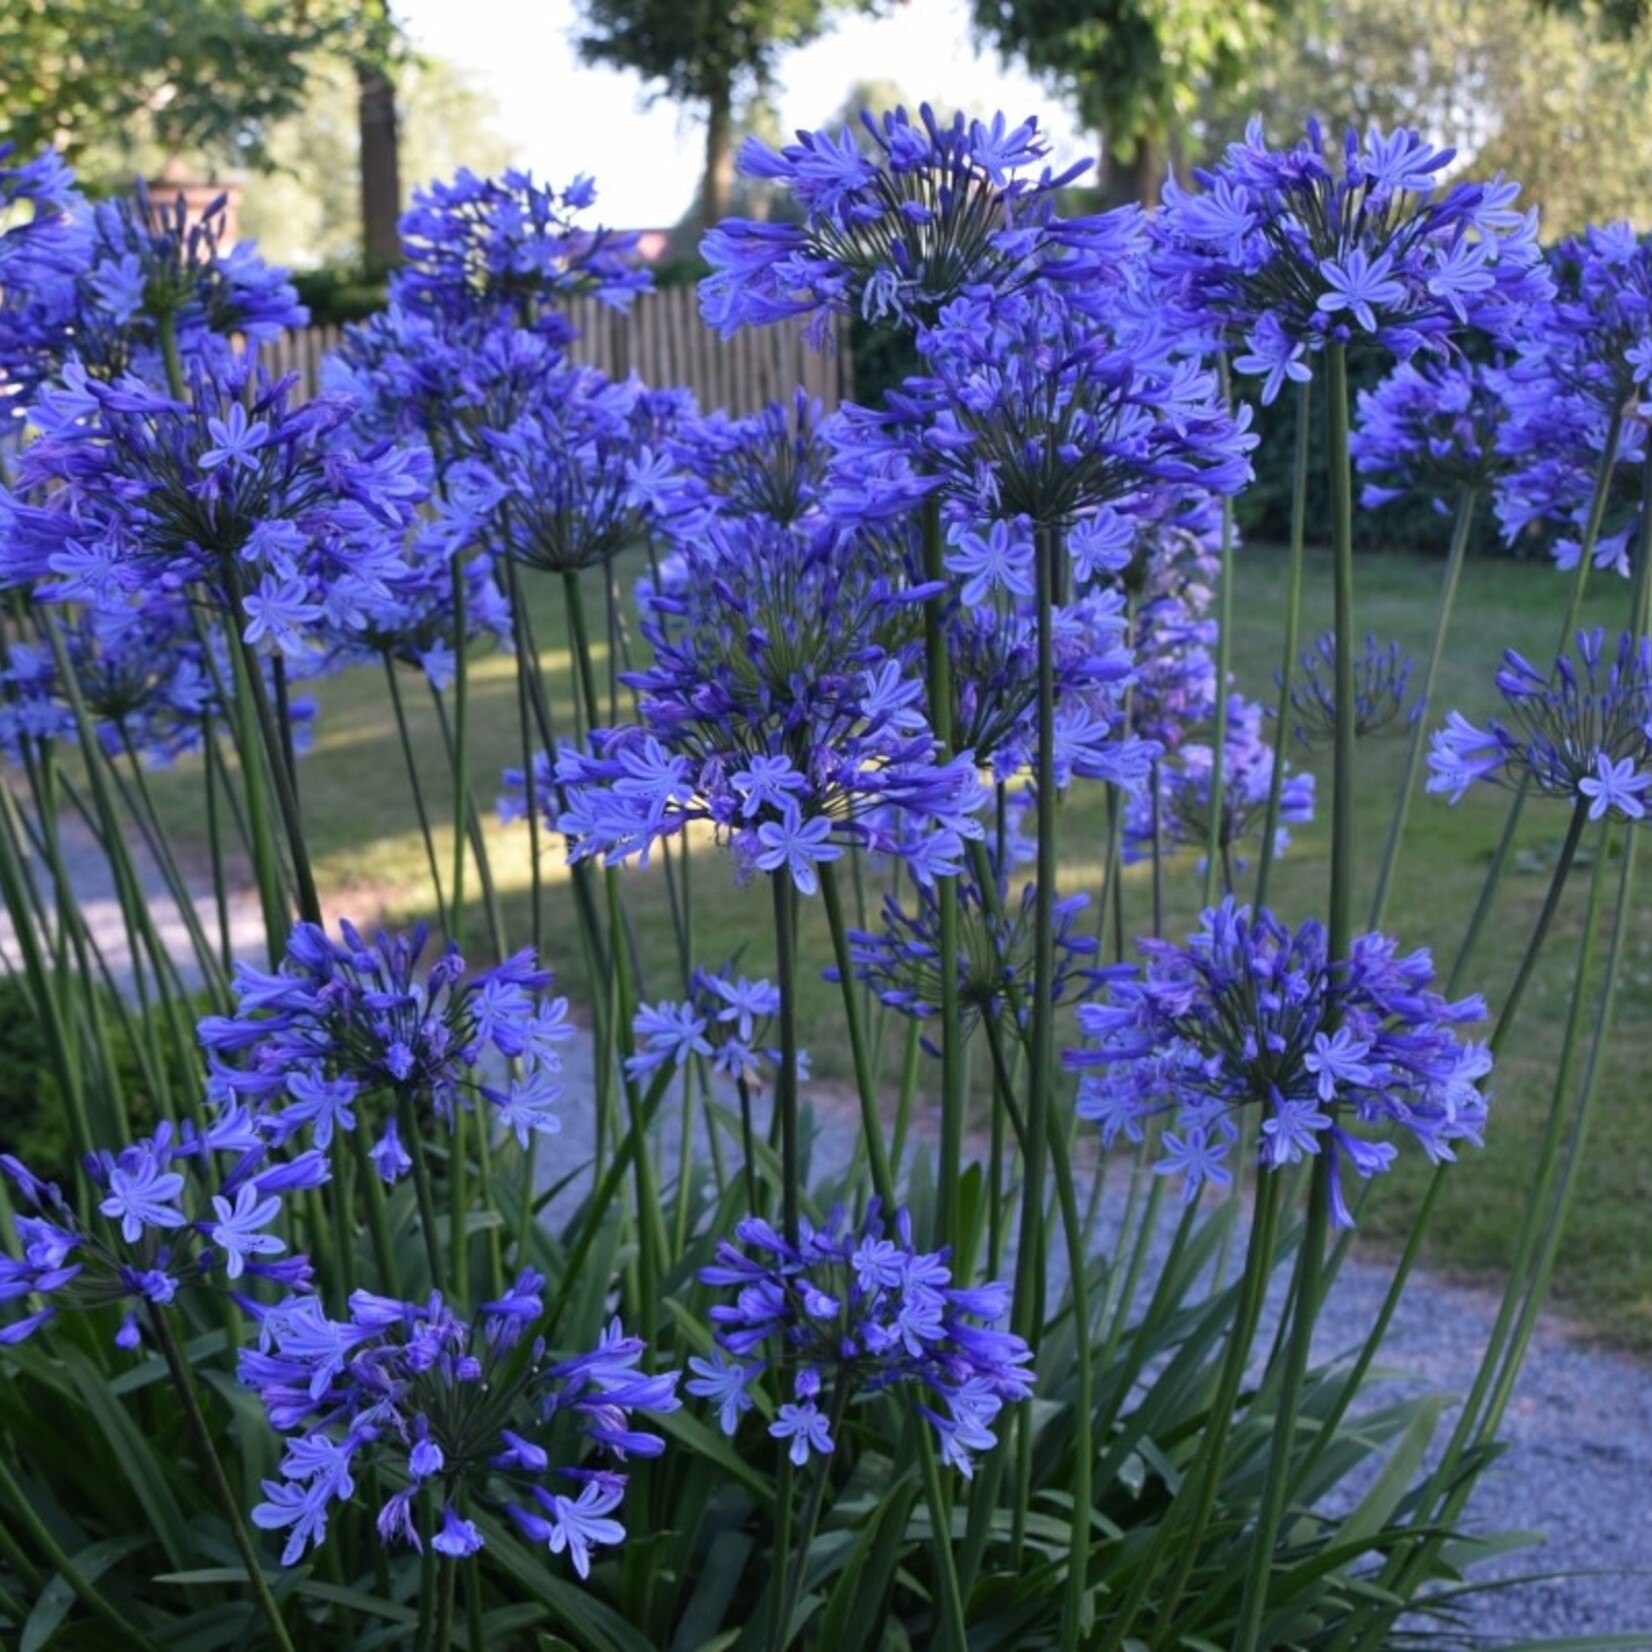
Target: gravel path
[(1579, 1429)]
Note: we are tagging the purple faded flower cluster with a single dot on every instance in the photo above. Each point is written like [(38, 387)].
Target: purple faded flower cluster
[(1582, 732), (901, 960), (1382, 678), (1287, 249), (476, 1413), (859, 1312), (348, 1035), (1178, 806), (1328, 1055)]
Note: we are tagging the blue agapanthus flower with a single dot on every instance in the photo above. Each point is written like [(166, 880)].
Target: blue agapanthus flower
[(171, 1218), (897, 220), (1329, 1055), (780, 708), (1431, 428), (346, 1028), (1583, 731), (1181, 813), (901, 960), (861, 1311), (238, 497), (1284, 250), (1382, 677), (476, 1412), (725, 1020)]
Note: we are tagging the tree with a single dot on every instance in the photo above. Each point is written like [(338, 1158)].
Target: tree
[(101, 78), (1135, 70), (307, 211), (1546, 97), (716, 53)]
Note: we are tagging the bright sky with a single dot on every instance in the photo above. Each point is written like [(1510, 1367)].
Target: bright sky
[(562, 117)]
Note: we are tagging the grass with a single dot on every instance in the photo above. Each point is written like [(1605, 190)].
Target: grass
[(371, 864)]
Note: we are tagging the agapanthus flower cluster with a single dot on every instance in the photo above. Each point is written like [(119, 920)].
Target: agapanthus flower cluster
[(1583, 731), (1583, 363), (901, 960), (776, 712), (1170, 583), (1382, 677), (581, 473), (897, 220), (348, 1035), (1432, 428), (236, 496), (476, 1413), (1328, 1055), (1040, 407), (1181, 814), (725, 1021), (860, 1311), (1357, 242), (102, 286), (478, 253), (172, 1217), (42, 248), (770, 464)]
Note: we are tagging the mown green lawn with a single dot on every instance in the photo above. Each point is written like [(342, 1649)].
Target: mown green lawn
[(372, 865)]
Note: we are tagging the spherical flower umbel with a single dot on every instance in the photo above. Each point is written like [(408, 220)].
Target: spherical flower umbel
[(474, 1411), (344, 1026), (861, 1312), (1331, 1055), (894, 227), (725, 1020), (1582, 732), (1286, 250), (1382, 676)]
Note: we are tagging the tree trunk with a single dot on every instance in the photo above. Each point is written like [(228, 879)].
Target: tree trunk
[(1136, 179), (381, 187), (718, 185)]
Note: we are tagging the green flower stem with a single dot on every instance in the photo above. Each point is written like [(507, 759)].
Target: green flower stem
[(1455, 558), (1174, 1534), (1293, 628), (883, 1182), (378, 1224), (835, 1409), (938, 666), (423, 1189), (1271, 1515), (410, 763), (954, 1636), (461, 769), (215, 848), (446, 1577), (478, 843), (1585, 556), (785, 1098), (526, 708), (28, 1521), (212, 1466), (1446, 1490), (1340, 925)]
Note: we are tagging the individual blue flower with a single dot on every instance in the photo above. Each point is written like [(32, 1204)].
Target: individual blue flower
[(807, 1430)]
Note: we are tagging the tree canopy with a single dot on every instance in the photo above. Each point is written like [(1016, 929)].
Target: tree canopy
[(101, 79)]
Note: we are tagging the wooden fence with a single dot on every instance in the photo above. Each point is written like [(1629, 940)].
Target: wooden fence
[(662, 339)]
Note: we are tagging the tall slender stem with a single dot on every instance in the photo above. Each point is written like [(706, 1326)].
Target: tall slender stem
[(1293, 628), (212, 1466), (1460, 533)]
